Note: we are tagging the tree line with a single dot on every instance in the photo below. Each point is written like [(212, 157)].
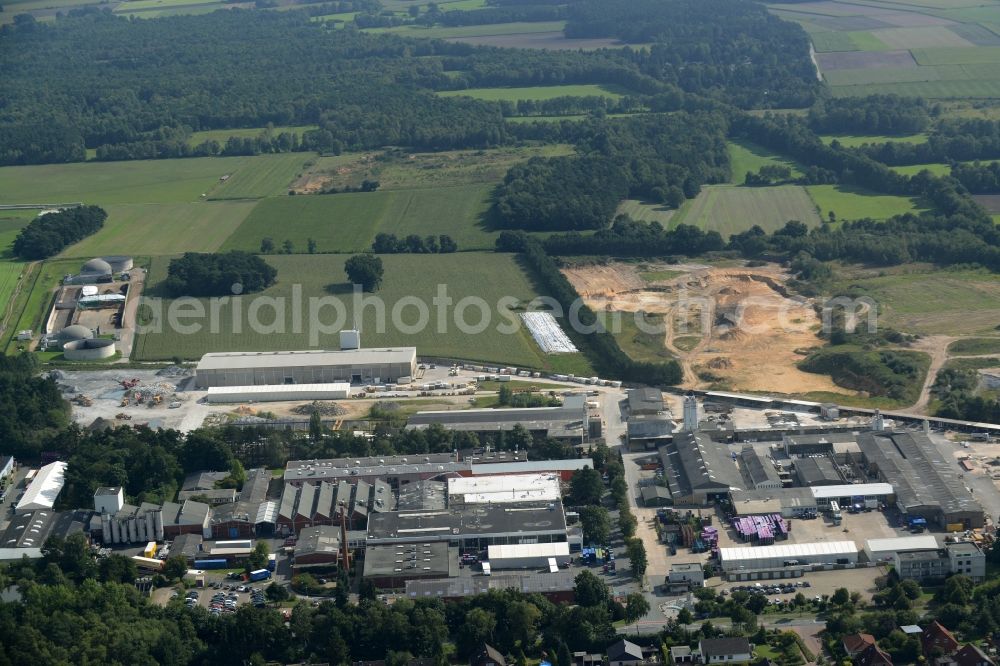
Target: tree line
[(591, 336), (47, 235), (874, 114), (953, 139), (413, 244)]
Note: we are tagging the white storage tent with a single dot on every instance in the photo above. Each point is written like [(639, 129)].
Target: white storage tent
[(44, 489), (527, 555), (775, 557)]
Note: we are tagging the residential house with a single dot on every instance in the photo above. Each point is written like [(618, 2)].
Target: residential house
[(488, 656), (873, 655), (971, 655), (725, 650), (624, 653), (855, 644), (937, 640), (587, 659)]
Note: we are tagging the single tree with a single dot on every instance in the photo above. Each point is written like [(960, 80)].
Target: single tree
[(315, 426), (596, 524), (288, 246), (589, 590), (267, 246), (636, 553), (636, 607), (311, 245), (365, 270), (684, 617), (586, 486), (175, 567)]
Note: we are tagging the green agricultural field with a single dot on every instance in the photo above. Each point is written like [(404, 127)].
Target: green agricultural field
[(847, 41), (855, 140), (248, 133), (141, 181), (11, 223), (349, 222), (853, 203), (489, 276), (980, 89), (660, 275), (643, 211), (975, 347), (172, 228), (745, 156), (730, 210), (31, 306), (957, 55), (261, 176), (440, 32), (937, 169), (539, 93), (400, 170), (921, 299)]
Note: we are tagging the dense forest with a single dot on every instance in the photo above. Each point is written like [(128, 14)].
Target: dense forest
[(107, 90), (952, 139), (662, 158), (222, 274), (47, 235), (875, 114), (31, 407)]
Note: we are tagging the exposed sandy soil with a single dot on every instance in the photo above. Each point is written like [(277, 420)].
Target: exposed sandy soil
[(752, 333)]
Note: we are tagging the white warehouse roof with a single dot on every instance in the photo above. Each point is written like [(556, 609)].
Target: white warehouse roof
[(505, 488), (276, 392), (529, 466), (851, 490), (284, 359), (900, 544), (518, 550), (44, 489), (788, 551)]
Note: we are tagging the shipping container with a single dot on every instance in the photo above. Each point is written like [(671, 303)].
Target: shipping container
[(272, 562), (147, 563), (259, 574), (211, 564)]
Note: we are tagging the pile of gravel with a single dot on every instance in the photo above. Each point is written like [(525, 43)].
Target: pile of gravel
[(173, 371), (324, 408)]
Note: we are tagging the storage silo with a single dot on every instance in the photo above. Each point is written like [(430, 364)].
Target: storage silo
[(140, 528), (116, 535), (133, 533), (158, 522), (106, 535)]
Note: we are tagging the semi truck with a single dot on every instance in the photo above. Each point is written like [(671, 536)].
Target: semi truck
[(835, 514), (259, 574)]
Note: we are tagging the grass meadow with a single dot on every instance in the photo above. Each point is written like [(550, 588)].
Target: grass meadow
[(164, 228), (442, 32), (539, 93), (11, 222), (349, 222), (223, 135), (644, 211), (149, 181), (730, 210), (855, 140), (926, 300), (975, 347), (490, 276), (745, 156), (853, 203)]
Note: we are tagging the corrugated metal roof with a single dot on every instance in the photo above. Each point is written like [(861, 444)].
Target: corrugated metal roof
[(532, 466), (899, 544), (279, 388), (517, 550), (283, 359), (790, 551), (852, 490)]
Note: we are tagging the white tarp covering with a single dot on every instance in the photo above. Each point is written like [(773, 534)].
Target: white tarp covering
[(44, 489), (546, 331)]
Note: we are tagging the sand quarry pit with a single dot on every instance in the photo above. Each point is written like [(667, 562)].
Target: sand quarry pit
[(751, 330)]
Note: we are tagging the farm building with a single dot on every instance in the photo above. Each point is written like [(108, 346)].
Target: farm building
[(278, 392), (353, 366), (926, 483), (503, 489), (45, 487), (698, 469), (744, 562)]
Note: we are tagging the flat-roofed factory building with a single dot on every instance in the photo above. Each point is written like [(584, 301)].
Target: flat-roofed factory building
[(352, 366)]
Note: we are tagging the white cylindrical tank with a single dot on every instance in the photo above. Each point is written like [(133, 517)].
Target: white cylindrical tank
[(150, 527), (140, 528), (133, 533), (158, 522), (116, 535)]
